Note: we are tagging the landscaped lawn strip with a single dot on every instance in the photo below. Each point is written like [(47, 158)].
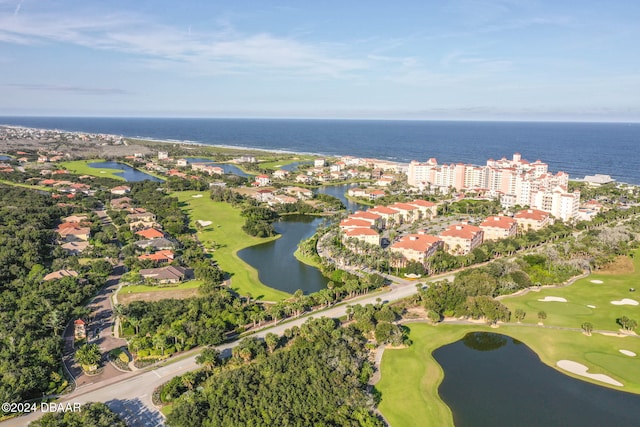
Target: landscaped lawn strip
[(226, 231)]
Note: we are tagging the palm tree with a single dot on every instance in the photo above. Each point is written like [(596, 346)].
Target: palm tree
[(88, 356)]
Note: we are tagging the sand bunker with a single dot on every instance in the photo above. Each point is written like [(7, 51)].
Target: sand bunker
[(598, 282), (625, 301), (552, 299), (628, 353), (197, 196), (591, 306), (580, 369), (204, 223)]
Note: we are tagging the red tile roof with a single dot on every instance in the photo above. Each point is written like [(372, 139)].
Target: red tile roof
[(365, 215), (416, 242), (422, 203), (532, 214), (463, 231), (360, 231), (150, 233), (383, 210), (351, 223), (503, 222)]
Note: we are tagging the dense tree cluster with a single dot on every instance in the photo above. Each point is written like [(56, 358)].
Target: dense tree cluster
[(90, 414), (259, 221), (318, 379), (32, 313), (165, 326), (167, 209)]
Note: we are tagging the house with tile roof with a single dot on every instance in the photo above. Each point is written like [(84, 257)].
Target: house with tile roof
[(150, 233)]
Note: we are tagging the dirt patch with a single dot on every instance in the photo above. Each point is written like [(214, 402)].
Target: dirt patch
[(621, 265), (415, 313), (124, 298)]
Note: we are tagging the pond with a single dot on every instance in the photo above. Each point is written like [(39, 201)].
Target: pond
[(339, 192), (228, 168), (293, 166), (494, 380), (274, 260), (3, 158), (129, 174)]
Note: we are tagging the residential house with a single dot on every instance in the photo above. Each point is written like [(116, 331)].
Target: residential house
[(157, 244), (499, 227), (319, 163), (150, 233), (181, 163), (408, 212), (121, 190), (72, 232), (280, 174), (349, 223), (60, 274), (262, 180), (161, 257), (163, 275), (460, 239), (75, 248), (300, 193), (75, 219), (121, 203), (264, 195)]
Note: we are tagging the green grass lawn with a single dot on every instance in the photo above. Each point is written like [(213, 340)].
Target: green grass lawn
[(29, 186), (278, 164), (226, 232), (580, 296), (410, 376), (81, 167), (134, 289)]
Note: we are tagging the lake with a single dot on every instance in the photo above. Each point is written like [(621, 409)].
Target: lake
[(339, 191), (129, 174), (493, 380), (274, 260), (226, 167), (3, 158)]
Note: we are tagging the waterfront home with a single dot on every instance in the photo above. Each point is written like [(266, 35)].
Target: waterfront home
[(303, 179), (499, 227), (417, 247), (460, 239), (281, 199), (532, 219), (264, 195), (280, 174), (181, 163), (262, 181), (319, 163), (299, 192)]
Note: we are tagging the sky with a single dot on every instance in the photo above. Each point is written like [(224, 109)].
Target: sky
[(424, 60)]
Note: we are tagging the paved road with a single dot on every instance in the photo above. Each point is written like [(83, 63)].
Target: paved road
[(129, 394)]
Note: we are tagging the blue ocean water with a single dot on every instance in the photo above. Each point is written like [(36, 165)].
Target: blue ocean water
[(576, 148)]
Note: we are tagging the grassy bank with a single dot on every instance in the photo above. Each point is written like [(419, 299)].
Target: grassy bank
[(312, 261), (225, 237), (81, 167), (410, 376)]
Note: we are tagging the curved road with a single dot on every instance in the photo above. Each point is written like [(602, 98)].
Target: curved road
[(129, 394)]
